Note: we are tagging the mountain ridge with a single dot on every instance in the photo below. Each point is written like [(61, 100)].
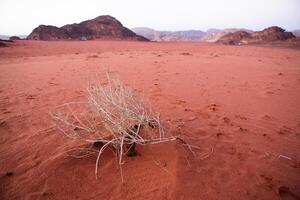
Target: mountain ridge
[(104, 26), (156, 35), (267, 35)]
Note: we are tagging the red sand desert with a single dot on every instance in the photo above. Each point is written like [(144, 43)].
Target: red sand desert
[(238, 104)]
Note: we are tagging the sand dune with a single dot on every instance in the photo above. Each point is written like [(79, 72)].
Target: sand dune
[(238, 104)]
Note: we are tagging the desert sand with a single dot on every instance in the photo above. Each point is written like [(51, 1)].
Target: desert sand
[(238, 104)]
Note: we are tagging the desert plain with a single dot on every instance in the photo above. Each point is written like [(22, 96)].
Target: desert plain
[(239, 105)]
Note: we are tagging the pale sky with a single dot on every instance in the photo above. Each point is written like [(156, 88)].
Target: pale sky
[(22, 16)]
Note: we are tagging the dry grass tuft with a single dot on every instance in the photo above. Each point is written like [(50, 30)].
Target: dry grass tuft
[(114, 116)]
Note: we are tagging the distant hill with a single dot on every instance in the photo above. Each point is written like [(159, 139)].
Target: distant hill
[(234, 38), (6, 37), (146, 32), (155, 35), (296, 33), (102, 27), (268, 35), (213, 35)]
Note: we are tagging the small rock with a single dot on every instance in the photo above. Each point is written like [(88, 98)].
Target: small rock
[(44, 194), (226, 120), (243, 129), (9, 173), (2, 122)]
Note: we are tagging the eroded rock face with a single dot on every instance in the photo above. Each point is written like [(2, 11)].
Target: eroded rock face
[(267, 35), (270, 34), (239, 37), (44, 32), (213, 35), (98, 28)]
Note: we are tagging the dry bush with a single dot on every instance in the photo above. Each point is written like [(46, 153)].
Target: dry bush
[(114, 116)]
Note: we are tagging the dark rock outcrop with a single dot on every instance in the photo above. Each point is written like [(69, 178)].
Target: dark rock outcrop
[(14, 38), (213, 35), (44, 32), (239, 37), (101, 27), (268, 35)]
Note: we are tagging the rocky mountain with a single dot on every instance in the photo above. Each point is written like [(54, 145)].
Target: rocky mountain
[(98, 28), (270, 34), (234, 38), (154, 35), (44, 32), (267, 35), (213, 35), (15, 38)]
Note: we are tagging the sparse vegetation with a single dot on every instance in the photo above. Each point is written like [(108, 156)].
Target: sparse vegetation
[(113, 117)]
